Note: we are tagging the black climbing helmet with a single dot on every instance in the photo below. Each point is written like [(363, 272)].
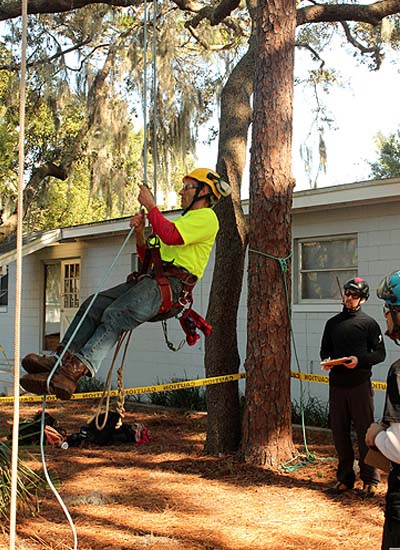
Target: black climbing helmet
[(358, 286)]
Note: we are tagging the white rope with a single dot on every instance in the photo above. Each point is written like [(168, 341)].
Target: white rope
[(17, 335), (145, 93), (154, 92), (47, 476), (155, 99)]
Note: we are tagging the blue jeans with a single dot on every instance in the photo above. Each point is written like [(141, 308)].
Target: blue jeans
[(114, 311)]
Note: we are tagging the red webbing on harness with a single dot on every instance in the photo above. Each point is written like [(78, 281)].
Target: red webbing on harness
[(190, 321), (162, 280)]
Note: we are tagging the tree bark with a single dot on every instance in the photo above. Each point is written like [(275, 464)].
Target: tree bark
[(267, 434), (222, 355)]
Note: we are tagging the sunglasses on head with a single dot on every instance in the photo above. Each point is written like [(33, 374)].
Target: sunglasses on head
[(351, 294)]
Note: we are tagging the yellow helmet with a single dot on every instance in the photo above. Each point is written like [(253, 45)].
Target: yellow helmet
[(218, 186)]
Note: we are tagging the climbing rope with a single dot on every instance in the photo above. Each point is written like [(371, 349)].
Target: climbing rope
[(145, 92), (18, 285), (120, 383), (299, 460), (106, 395), (154, 93), (155, 99), (15, 431), (48, 479)]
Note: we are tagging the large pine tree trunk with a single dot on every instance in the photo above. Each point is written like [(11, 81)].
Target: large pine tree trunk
[(222, 356), (267, 436)]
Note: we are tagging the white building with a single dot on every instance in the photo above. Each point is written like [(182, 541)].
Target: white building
[(339, 231)]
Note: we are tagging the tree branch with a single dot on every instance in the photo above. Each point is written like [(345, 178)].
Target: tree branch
[(372, 14), (12, 9), (350, 38), (17, 66)]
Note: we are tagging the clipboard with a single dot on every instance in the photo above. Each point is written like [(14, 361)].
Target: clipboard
[(334, 362)]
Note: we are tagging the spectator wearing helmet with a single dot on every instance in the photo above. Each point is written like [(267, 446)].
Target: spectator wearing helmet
[(351, 344), (386, 435), (185, 244)]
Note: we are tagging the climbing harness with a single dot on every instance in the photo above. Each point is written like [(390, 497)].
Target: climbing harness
[(189, 319), (300, 460)]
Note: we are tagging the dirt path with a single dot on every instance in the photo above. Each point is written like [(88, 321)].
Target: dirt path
[(167, 495)]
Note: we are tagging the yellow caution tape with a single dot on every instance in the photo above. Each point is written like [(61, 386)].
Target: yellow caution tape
[(135, 391), (324, 379), (317, 378)]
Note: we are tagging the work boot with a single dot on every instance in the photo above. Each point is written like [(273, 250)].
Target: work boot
[(33, 362), (64, 381), (368, 490)]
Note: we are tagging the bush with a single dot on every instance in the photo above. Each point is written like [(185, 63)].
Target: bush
[(89, 384), (315, 413), (192, 399)]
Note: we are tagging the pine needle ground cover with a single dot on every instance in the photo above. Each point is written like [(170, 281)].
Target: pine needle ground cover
[(168, 495)]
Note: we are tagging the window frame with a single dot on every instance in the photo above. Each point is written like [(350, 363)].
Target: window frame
[(299, 241)]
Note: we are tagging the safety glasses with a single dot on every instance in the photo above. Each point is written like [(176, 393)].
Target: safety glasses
[(187, 186)]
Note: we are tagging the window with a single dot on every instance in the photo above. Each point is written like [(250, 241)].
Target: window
[(4, 289), (324, 265)]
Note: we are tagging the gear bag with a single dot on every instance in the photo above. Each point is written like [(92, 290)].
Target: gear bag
[(111, 434)]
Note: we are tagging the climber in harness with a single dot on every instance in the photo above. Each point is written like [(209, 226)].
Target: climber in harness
[(184, 246)]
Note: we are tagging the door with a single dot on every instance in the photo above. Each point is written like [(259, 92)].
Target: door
[(61, 300)]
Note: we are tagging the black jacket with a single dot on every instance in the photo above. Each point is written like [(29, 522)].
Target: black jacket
[(352, 333)]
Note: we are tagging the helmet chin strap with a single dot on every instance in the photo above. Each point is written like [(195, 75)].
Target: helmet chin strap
[(197, 198)]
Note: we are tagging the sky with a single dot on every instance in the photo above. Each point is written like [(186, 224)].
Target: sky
[(366, 103)]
